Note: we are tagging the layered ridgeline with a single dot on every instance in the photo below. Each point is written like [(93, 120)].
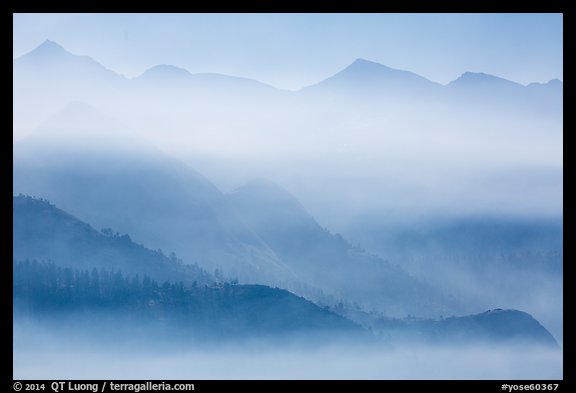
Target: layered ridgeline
[(426, 143), (486, 260), (327, 260), (64, 270), (373, 152), (257, 234), (42, 232), (368, 80), (78, 161), (49, 77)]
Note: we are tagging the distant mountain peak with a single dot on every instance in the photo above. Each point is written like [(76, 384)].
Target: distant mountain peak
[(51, 62), (165, 71), (484, 82), (363, 65), (470, 74), (50, 45), (554, 83), (263, 201), (481, 77), (365, 76), (48, 49), (361, 61), (476, 76)]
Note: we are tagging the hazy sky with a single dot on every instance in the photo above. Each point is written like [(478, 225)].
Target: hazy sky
[(294, 50)]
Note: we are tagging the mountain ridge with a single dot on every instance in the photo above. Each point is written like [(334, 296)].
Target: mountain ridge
[(327, 260), (41, 231), (157, 191), (190, 299), (50, 54), (359, 65)]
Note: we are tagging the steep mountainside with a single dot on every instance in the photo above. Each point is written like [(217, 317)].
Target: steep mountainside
[(63, 265), (159, 201), (326, 260), (43, 232)]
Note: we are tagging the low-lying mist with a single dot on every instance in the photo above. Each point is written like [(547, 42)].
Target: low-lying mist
[(45, 354), (367, 202)]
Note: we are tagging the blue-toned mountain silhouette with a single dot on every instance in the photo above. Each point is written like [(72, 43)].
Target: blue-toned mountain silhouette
[(63, 265)]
